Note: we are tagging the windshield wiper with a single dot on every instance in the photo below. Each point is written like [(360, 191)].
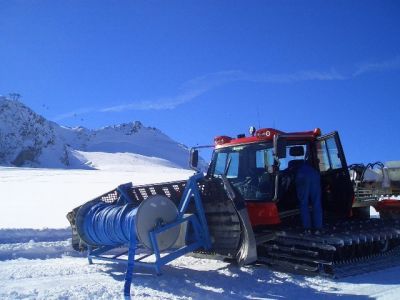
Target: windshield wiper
[(227, 165)]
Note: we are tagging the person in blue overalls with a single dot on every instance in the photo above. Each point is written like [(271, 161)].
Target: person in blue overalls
[(308, 187)]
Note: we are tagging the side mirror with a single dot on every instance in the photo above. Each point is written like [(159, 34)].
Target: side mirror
[(194, 158)]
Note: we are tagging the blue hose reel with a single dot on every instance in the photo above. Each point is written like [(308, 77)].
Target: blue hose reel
[(153, 226)]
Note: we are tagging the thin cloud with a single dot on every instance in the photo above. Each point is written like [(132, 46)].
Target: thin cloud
[(196, 87), (393, 64), (157, 104)]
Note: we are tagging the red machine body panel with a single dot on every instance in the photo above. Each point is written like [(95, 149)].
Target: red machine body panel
[(263, 213), (265, 134)]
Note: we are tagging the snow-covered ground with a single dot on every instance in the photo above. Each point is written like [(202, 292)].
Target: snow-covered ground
[(36, 261), (39, 198)]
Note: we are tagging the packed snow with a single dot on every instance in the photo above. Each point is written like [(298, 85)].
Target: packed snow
[(37, 261), (30, 200)]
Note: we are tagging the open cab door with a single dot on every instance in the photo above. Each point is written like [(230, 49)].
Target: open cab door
[(337, 189)]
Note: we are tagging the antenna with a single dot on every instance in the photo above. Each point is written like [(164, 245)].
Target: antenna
[(258, 117)]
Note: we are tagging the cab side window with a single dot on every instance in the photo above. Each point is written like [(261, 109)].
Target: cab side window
[(284, 162), (264, 158)]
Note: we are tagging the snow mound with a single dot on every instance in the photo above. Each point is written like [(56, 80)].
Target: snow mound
[(121, 161)]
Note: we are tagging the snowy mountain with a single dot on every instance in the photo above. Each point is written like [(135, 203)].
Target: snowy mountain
[(28, 139)]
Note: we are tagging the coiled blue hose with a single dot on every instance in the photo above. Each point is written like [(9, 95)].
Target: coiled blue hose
[(107, 224)]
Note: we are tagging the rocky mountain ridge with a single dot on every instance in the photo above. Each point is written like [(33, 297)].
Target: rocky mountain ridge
[(27, 139)]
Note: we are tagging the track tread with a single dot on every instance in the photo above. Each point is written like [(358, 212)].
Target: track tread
[(346, 248)]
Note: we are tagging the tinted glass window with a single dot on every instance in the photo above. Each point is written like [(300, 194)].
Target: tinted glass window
[(221, 166), (328, 155), (264, 158), (284, 162), (248, 169), (333, 153), (220, 163), (233, 168), (323, 158)]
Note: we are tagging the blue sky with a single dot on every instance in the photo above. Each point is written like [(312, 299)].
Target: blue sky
[(197, 69)]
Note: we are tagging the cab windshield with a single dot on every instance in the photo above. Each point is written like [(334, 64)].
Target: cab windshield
[(248, 168)]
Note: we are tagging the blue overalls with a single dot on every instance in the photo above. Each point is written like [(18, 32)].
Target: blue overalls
[(308, 187)]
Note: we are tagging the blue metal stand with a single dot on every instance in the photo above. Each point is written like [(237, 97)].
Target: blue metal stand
[(196, 222)]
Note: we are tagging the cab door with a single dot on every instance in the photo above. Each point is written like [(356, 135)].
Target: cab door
[(337, 189)]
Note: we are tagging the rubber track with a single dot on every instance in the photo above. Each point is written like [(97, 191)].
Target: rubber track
[(344, 249)]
